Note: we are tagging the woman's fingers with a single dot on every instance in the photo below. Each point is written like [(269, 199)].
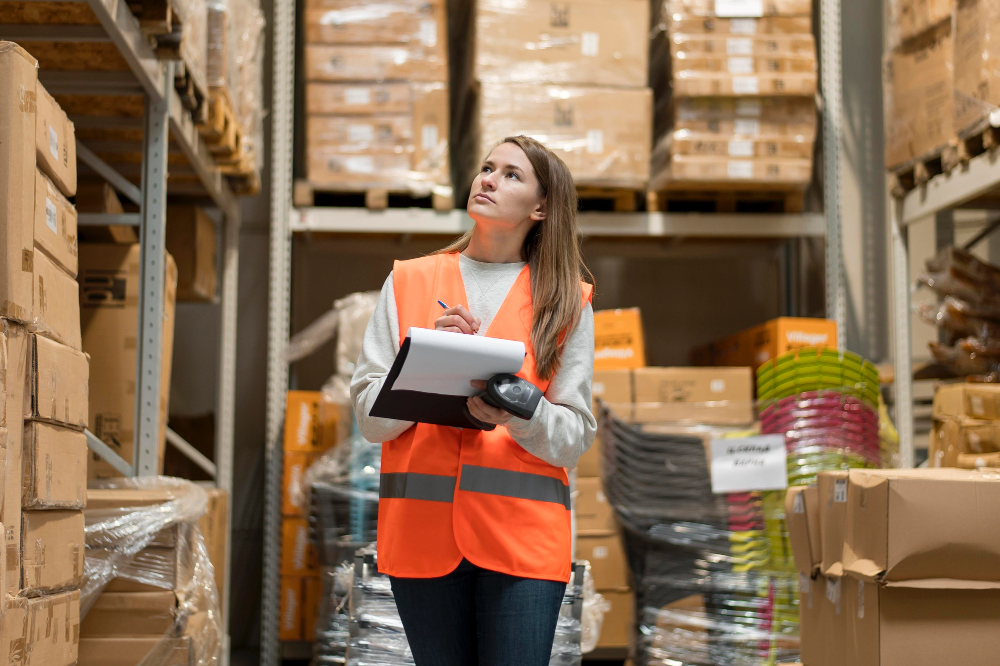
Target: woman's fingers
[(478, 383), (453, 322), (460, 310), (487, 413)]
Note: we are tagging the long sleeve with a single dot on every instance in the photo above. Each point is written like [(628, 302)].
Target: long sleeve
[(563, 426), (378, 351)]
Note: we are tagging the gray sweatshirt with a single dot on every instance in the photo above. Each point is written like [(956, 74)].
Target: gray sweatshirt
[(562, 427)]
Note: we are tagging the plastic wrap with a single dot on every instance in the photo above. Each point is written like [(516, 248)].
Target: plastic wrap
[(154, 543), (977, 63), (957, 318), (579, 42), (190, 33), (595, 607)]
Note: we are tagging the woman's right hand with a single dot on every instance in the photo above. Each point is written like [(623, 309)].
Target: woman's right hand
[(457, 320)]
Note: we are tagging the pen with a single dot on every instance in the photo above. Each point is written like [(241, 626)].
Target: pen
[(441, 303)]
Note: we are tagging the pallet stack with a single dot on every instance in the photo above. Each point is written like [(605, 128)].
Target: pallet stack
[(742, 113), (376, 101), (573, 76), (45, 375)]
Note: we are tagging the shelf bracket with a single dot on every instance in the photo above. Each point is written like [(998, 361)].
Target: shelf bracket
[(193, 454), (109, 456)]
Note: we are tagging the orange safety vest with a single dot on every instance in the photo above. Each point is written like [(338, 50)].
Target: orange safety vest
[(447, 493)]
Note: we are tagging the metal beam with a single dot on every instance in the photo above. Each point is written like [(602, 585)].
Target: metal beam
[(54, 32), (72, 82), (201, 160), (108, 455), (123, 29), (902, 353), (108, 173), (106, 122), (193, 454), (108, 220), (831, 62), (951, 190)]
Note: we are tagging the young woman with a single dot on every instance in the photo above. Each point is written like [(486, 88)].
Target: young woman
[(474, 526)]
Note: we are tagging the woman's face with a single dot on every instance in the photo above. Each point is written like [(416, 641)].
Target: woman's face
[(506, 191)]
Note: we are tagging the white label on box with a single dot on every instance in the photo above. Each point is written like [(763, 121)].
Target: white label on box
[(53, 142), (833, 592), (748, 107), (749, 463), (748, 126), (51, 216), (601, 497), (861, 600), (840, 491), (360, 164), (799, 505), (598, 388), (805, 590), (743, 26), (746, 85), (429, 32), (740, 148), (742, 46), (600, 552), (731, 8), (358, 96), (741, 65), (977, 405), (590, 43), (428, 137), (717, 385), (595, 142), (360, 134), (739, 170)]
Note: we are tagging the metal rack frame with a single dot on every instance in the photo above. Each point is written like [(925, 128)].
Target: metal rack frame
[(286, 220), (164, 118)]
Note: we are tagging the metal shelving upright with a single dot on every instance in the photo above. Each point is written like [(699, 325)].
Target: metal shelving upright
[(165, 118), (286, 220)]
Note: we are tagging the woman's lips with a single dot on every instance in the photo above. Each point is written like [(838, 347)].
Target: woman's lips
[(484, 197)]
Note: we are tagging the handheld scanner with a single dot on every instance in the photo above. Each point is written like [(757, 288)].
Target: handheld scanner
[(513, 394)]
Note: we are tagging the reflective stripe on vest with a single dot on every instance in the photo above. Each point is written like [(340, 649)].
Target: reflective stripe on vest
[(486, 480)]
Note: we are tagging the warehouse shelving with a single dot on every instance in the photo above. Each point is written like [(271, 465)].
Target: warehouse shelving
[(165, 119), (975, 185), (287, 220)]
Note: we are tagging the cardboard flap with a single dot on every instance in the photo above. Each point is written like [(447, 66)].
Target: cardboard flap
[(943, 584), (832, 516), (865, 570), (864, 547)]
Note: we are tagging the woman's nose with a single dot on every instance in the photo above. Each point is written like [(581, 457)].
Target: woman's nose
[(489, 180)]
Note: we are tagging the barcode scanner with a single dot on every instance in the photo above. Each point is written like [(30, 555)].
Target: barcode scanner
[(512, 394)]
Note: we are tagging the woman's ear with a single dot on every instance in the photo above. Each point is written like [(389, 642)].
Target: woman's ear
[(540, 211)]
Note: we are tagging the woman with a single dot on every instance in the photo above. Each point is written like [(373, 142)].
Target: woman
[(474, 526)]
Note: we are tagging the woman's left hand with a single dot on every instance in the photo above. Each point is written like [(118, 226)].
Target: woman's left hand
[(484, 412)]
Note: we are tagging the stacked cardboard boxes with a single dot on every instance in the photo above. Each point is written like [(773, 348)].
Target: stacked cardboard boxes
[(376, 95), (572, 75), (907, 567), (44, 374), (966, 426), (759, 344), (743, 79), (191, 243)]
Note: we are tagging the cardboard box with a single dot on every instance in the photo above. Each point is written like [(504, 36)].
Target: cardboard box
[(589, 464), (715, 396), (616, 631), (290, 610), (55, 142), (755, 346), (594, 514), (303, 430), (693, 83), (691, 47), (912, 17), (296, 464), (740, 8), (94, 195), (214, 527), (191, 242), (832, 489), (14, 346), (370, 62), (55, 225), (130, 614), (56, 302), (919, 96), (310, 608), (924, 524), (746, 117), (57, 383), (812, 632), (358, 98), (53, 629), (710, 25), (298, 553), (977, 62), (18, 107), (614, 386), (53, 548), (680, 628), (131, 651), (603, 134), (802, 519), (105, 504), (54, 467), (109, 279), (397, 22), (608, 565), (706, 169), (575, 42), (709, 145), (13, 630), (360, 134), (834, 620), (618, 342)]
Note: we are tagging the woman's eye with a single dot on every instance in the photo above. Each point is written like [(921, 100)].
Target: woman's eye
[(511, 174), (486, 169)]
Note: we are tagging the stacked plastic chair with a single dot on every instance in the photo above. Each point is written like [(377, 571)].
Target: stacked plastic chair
[(715, 583)]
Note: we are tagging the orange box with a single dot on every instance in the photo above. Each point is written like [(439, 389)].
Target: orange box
[(298, 554), (755, 346), (296, 464), (618, 341), (310, 609), (303, 429), (292, 588)]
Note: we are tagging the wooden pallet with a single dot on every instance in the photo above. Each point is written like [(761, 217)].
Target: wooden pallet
[(977, 140), (617, 199), (221, 131), (192, 93), (726, 198), (305, 194)]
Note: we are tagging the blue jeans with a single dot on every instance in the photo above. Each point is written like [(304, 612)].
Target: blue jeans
[(475, 617)]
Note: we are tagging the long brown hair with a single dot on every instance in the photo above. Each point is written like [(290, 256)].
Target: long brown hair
[(552, 250)]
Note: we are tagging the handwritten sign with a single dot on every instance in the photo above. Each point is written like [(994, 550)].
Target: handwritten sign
[(749, 463)]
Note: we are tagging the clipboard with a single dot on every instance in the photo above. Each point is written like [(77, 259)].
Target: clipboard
[(443, 364)]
